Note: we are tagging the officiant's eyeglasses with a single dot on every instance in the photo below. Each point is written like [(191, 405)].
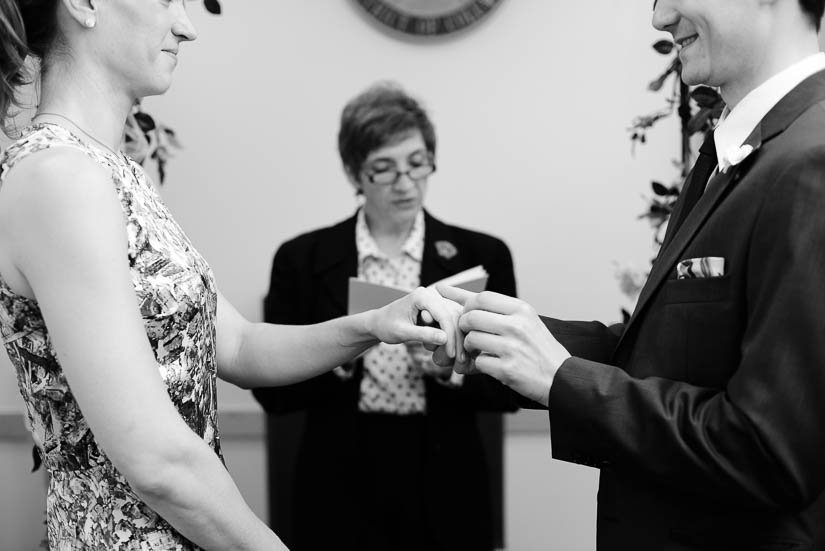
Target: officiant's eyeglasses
[(390, 176)]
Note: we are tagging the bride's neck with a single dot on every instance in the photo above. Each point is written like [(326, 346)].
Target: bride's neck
[(87, 101)]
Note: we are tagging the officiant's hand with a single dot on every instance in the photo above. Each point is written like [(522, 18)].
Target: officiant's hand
[(398, 322), (506, 339)]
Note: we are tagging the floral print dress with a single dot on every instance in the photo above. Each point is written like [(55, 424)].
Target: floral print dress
[(90, 506)]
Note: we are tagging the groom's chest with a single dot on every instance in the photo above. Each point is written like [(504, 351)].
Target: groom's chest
[(694, 323)]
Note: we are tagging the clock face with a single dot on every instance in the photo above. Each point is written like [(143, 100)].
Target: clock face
[(428, 17)]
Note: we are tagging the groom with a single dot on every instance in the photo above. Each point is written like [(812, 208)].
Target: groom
[(706, 411)]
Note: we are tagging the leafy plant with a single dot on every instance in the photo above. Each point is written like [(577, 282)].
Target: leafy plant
[(147, 139), (212, 6), (698, 108)]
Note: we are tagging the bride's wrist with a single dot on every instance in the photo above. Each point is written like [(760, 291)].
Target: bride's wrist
[(356, 331), (365, 328)]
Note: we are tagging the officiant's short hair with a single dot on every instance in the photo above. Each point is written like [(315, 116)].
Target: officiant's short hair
[(376, 117)]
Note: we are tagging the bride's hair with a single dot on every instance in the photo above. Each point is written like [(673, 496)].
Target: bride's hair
[(27, 28)]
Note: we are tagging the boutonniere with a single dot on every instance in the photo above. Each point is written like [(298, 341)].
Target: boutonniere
[(735, 156), (445, 249)]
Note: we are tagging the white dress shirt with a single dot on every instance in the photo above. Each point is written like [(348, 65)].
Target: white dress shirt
[(737, 124)]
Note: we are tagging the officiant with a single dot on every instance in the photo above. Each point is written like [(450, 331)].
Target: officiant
[(388, 452)]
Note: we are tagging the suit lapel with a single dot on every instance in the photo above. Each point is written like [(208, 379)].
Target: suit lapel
[(335, 262), (717, 189), (442, 257), (337, 258), (806, 94)]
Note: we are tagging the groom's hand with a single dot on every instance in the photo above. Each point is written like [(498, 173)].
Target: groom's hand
[(509, 342)]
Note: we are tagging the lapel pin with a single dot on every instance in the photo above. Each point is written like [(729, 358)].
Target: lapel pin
[(734, 157), (445, 249)]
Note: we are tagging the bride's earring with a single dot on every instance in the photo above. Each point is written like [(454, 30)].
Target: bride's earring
[(90, 22)]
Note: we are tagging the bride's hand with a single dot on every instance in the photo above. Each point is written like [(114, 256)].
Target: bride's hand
[(398, 322)]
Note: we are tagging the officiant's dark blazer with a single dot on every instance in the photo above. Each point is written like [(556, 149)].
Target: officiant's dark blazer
[(309, 284), (706, 412)]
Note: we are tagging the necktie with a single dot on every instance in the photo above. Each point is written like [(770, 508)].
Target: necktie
[(704, 167)]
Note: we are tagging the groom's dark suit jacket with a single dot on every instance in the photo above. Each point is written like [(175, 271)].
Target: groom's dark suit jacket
[(706, 412), (309, 283)]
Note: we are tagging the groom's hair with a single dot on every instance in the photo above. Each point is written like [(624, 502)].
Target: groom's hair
[(814, 10)]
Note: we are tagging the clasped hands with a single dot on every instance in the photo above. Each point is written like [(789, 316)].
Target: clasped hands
[(489, 333)]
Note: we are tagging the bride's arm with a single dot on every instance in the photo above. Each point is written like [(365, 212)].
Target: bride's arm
[(67, 237), (261, 354)]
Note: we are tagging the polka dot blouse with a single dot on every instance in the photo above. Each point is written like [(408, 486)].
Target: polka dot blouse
[(392, 381)]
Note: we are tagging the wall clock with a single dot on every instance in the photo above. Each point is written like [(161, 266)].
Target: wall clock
[(428, 17)]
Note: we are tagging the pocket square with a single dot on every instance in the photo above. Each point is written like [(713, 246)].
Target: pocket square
[(708, 266)]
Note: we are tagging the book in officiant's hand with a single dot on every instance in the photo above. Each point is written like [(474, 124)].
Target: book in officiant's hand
[(365, 296)]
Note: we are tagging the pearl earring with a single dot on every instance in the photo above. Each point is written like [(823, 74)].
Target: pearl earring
[(90, 22)]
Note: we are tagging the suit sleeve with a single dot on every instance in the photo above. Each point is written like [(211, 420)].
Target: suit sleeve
[(288, 302), (759, 442), (585, 339)]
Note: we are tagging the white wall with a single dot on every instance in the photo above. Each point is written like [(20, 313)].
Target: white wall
[(549, 505), (22, 496), (531, 109)]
